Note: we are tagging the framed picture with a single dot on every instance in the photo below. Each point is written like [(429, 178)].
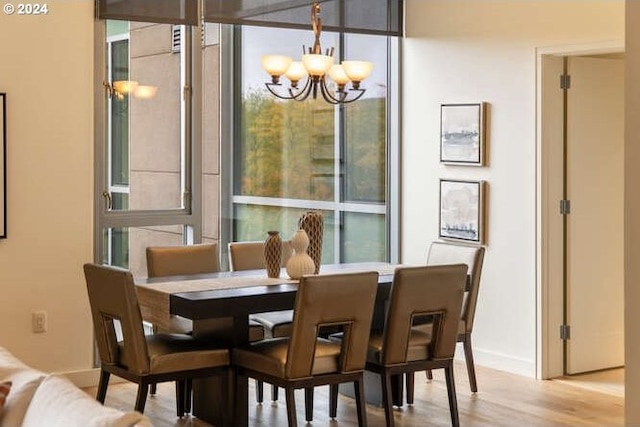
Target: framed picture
[(462, 134), (462, 210), (3, 165)]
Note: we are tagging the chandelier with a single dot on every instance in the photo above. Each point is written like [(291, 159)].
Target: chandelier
[(317, 69)]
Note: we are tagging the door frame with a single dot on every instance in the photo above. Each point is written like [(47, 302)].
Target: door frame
[(549, 289)]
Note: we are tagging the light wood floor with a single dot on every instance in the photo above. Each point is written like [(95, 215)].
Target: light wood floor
[(503, 400), (610, 381)]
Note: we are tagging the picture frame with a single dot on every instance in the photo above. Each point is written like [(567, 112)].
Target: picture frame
[(3, 165), (462, 213), (462, 134)]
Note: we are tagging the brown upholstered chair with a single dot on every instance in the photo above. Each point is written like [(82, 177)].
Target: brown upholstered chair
[(304, 360), (142, 359), (183, 260), (250, 256), (435, 291), (441, 253), (180, 260)]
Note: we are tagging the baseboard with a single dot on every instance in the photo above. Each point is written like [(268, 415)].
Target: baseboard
[(500, 362), (88, 377)]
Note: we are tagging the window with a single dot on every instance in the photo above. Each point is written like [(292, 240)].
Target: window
[(291, 156), (145, 177)]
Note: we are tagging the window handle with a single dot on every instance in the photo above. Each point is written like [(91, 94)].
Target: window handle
[(109, 201)]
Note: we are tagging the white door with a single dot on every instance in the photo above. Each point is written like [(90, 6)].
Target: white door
[(595, 154)]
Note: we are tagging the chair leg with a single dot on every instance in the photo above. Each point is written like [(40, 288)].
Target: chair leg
[(308, 403), (387, 398), (410, 387), (451, 391), (141, 399), (333, 400), (468, 355), (102, 386), (361, 405), (180, 391), (188, 393), (429, 374), (259, 391), (274, 393), (153, 389), (397, 389), (291, 407)]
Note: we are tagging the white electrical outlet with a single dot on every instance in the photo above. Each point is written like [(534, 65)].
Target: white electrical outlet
[(39, 320)]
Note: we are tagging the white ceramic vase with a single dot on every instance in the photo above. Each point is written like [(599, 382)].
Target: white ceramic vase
[(300, 262)]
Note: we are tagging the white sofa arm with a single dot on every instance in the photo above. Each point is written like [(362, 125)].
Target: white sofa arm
[(59, 403), (25, 382)]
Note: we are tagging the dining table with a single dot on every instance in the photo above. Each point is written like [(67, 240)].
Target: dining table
[(219, 304)]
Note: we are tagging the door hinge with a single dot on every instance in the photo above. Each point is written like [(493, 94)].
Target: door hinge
[(565, 332), (565, 207), (565, 81)]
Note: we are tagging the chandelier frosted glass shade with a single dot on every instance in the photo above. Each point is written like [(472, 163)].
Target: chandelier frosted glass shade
[(276, 65), (357, 71), (317, 65), (296, 71)]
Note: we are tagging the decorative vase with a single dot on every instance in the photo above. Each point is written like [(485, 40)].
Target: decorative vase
[(273, 253), (312, 223), (300, 262)]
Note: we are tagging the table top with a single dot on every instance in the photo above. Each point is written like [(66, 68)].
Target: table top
[(225, 294)]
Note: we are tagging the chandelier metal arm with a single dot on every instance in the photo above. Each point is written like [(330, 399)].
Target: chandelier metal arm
[(342, 95), (301, 95)]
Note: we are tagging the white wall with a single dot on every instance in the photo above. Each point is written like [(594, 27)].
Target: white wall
[(480, 50), (46, 69), (632, 213)]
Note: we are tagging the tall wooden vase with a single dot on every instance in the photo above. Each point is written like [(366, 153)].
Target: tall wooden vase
[(273, 254), (312, 223), (300, 262)]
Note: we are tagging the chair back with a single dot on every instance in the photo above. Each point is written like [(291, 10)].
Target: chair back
[(424, 291), (250, 255), (331, 300), (112, 296), (177, 260), (450, 253)]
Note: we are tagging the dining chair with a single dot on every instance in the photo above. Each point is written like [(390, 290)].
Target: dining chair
[(181, 260), (139, 358), (249, 255), (165, 261), (401, 348), (305, 360), (441, 253)]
